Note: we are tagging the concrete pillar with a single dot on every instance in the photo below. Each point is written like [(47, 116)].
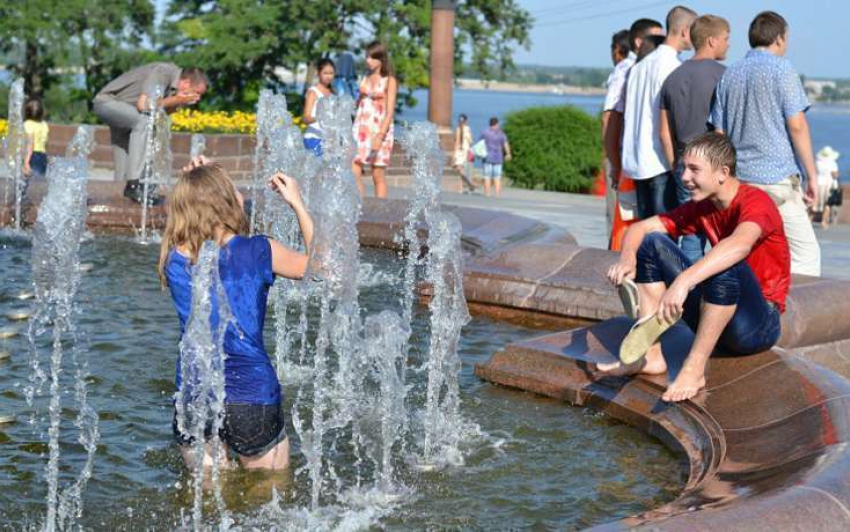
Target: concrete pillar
[(442, 63)]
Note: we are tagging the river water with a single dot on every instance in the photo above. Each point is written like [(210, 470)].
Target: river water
[(829, 123)]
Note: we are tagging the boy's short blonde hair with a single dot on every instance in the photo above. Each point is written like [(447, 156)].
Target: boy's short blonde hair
[(707, 26)]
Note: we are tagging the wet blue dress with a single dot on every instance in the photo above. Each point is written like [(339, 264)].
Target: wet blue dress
[(245, 269)]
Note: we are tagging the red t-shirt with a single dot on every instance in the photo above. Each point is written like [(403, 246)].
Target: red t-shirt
[(769, 259)]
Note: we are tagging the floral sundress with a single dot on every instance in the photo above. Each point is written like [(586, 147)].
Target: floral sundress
[(371, 111)]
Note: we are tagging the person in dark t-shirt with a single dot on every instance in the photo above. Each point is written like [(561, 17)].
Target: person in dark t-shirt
[(732, 298), (686, 98)]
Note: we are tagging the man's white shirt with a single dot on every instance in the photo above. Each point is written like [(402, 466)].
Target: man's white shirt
[(643, 154), (616, 83)]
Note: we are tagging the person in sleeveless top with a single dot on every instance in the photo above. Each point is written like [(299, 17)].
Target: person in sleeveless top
[(325, 73), (373, 123), (205, 205), (462, 160)]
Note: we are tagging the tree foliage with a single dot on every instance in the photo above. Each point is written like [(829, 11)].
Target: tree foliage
[(48, 42), (240, 42), (67, 50), (554, 148)]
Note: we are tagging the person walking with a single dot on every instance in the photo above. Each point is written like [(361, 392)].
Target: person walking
[(686, 98), (463, 158), (123, 105), (373, 123), (761, 105), (498, 151), (325, 73), (643, 157), (826, 164)]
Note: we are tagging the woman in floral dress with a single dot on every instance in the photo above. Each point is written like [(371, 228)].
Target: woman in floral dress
[(373, 123)]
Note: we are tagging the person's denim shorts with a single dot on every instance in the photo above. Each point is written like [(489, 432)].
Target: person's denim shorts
[(492, 171), (38, 163), (250, 430)]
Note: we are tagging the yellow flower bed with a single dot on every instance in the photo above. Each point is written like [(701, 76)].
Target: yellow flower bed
[(191, 121)]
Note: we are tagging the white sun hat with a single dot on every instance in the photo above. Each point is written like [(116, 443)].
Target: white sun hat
[(828, 153)]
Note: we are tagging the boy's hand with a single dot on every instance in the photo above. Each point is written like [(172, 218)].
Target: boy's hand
[(625, 268), (287, 187), (27, 169), (195, 163), (672, 303)]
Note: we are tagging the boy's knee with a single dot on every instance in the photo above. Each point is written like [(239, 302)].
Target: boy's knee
[(653, 244), (723, 288)]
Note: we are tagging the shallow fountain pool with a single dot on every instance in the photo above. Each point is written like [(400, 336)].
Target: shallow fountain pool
[(534, 463)]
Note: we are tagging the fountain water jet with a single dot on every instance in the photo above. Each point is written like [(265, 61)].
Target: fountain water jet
[(199, 400), (15, 145), (59, 228), (158, 157)]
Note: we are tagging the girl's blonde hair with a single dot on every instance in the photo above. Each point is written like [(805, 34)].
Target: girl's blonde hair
[(203, 201)]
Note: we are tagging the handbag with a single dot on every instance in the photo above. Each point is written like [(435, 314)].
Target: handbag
[(836, 196), (479, 149), (470, 157)]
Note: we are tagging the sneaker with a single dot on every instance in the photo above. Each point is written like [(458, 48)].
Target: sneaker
[(629, 296), (642, 335)]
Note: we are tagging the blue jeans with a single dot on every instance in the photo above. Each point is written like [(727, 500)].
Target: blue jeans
[(655, 195), (754, 327), (693, 246)]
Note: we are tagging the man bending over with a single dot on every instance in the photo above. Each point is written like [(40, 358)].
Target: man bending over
[(732, 298)]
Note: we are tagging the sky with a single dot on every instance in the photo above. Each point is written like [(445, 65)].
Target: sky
[(578, 32)]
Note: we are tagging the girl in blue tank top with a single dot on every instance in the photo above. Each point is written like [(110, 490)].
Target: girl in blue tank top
[(205, 205)]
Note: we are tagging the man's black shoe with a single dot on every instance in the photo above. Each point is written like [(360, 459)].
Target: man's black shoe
[(135, 192)]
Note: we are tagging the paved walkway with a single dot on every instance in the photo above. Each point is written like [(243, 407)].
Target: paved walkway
[(584, 217)]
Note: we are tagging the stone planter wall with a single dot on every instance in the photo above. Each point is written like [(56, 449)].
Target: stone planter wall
[(234, 152)]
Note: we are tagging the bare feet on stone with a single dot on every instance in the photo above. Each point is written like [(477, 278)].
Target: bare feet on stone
[(689, 382)]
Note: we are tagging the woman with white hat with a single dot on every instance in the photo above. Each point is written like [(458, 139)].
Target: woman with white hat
[(826, 163)]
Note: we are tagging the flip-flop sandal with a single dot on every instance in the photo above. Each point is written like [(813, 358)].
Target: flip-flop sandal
[(628, 292), (643, 334)]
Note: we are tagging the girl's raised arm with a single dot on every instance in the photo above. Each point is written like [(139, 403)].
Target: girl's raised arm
[(287, 262)]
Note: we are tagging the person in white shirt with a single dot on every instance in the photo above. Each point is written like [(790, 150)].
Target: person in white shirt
[(620, 55), (826, 165), (643, 155), (624, 46)]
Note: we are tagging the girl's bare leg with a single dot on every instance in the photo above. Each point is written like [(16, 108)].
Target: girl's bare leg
[(188, 453), (276, 459), (357, 170), (487, 186), (379, 178)]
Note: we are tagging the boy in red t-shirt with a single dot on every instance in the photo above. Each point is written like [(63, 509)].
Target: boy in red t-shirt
[(731, 298)]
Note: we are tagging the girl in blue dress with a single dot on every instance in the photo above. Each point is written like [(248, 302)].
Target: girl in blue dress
[(205, 205)]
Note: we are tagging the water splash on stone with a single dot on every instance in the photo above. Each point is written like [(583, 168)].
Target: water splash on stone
[(56, 275), (199, 401)]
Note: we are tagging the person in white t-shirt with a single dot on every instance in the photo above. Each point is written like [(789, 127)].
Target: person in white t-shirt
[(826, 164), (643, 154)]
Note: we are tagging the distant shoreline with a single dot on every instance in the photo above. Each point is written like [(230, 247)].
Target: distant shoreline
[(502, 86)]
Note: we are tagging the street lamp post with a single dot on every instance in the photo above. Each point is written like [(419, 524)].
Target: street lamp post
[(442, 63)]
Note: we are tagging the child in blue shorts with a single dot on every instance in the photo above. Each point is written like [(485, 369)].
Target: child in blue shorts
[(205, 205)]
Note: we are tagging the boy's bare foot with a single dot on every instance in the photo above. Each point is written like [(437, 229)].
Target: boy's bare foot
[(688, 383), (651, 364)]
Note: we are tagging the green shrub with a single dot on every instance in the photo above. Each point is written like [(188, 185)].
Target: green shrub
[(554, 148)]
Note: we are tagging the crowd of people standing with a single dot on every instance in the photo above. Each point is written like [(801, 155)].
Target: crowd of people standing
[(654, 106)]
